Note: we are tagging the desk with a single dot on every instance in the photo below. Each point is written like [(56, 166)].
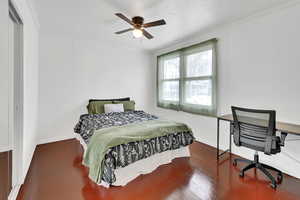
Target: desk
[(282, 127)]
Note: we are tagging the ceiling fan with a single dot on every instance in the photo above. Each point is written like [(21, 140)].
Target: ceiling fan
[(138, 29)]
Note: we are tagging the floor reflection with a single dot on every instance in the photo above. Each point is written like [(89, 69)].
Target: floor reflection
[(200, 187), (158, 185)]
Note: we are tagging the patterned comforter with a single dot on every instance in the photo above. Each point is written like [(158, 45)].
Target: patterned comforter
[(125, 154)]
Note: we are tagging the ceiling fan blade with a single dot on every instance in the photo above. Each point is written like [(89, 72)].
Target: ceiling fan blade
[(124, 31), (155, 23), (147, 34), (124, 18)]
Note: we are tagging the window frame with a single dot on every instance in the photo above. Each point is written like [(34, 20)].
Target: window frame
[(181, 104), (173, 104)]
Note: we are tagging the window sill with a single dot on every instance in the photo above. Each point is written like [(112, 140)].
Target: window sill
[(188, 111)]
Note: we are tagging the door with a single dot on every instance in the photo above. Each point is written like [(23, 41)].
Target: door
[(15, 94), (5, 148)]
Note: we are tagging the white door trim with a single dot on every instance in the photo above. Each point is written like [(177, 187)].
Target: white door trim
[(16, 103), (14, 193)]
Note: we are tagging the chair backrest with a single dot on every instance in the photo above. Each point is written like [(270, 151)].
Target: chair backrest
[(254, 128)]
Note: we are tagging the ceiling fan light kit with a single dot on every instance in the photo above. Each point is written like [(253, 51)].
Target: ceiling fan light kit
[(138, 29), (137, 33)]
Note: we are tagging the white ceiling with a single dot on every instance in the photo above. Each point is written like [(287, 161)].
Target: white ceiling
[(95, 18)]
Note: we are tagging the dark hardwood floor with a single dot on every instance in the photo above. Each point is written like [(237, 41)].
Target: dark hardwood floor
[(56, 173), (5, 174)]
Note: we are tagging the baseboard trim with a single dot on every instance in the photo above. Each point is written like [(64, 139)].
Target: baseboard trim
[(14, 193), (5, 149), (55, 139)]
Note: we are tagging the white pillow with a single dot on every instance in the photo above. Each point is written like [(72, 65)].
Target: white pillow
[(108, 108)]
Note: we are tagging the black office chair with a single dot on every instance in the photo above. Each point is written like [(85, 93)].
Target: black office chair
[(255, 129)]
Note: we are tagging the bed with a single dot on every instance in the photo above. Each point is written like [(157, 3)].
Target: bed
[(119, 146)]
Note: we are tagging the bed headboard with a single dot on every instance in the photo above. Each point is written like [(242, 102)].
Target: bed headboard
[(103, 101), (120, 99)]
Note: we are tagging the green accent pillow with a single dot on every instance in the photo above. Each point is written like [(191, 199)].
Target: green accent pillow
[(97, 107), (128, 105)]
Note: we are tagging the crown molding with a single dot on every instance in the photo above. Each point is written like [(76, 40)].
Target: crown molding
[(26, 10), (194, 37), (265, 12)]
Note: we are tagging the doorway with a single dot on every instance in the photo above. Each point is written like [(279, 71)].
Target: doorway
[(15, 97)]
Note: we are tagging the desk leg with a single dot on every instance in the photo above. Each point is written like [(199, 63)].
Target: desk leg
[(218, 137), (282, 140), (230, 138)]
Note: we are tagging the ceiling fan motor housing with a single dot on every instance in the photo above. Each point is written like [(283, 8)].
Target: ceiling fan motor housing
[(138, 21)]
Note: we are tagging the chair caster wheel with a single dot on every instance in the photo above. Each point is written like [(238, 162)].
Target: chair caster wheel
[(234, 163), (273, 185), (279, 178), (241, 174)]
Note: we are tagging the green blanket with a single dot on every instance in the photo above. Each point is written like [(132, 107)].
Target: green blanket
[(106, 138)]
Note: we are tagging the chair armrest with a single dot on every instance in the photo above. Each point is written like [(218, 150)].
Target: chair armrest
[(282, 140)]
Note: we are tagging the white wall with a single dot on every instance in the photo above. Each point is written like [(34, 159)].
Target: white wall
[(258, 67), (75, 68), (30, 76), (4, 84)]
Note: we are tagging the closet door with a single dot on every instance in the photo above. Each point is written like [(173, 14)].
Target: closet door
[(5, 145), (15, 94)]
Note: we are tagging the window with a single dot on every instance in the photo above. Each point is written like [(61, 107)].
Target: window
[(187, 79)]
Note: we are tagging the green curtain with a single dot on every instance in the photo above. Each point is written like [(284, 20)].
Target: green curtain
[(180, 104)]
